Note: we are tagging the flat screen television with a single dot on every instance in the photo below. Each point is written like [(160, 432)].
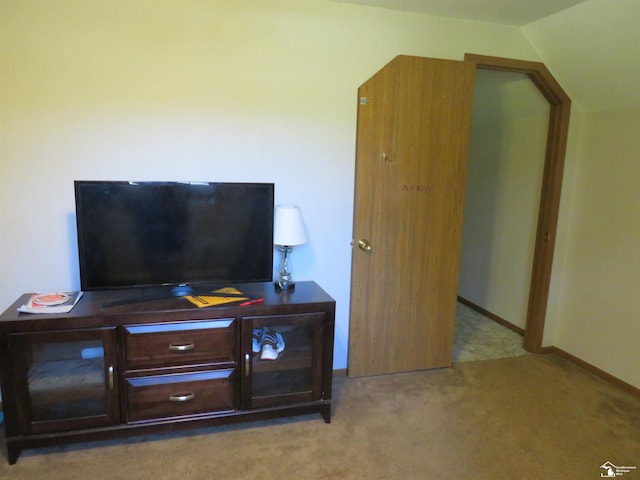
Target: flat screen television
[(145, 234)]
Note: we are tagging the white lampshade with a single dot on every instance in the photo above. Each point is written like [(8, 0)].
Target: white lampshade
[(288, 228)]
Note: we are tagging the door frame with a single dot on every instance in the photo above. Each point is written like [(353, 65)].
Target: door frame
[(549, 206)]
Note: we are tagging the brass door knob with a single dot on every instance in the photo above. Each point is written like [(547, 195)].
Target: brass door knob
[(364, 245)]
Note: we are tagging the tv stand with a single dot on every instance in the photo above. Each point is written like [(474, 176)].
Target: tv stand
[(161, 365)]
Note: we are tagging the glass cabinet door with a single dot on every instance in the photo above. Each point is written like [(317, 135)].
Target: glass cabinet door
[(67, 379), (282, 359)]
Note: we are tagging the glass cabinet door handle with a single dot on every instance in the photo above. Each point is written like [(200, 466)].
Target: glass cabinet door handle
[(247, 365), (110, 377), (184, 347)]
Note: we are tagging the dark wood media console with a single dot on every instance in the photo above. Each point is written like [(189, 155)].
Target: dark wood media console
[(163, 364)]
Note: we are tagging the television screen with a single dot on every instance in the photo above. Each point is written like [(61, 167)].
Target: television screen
[(133, 234)]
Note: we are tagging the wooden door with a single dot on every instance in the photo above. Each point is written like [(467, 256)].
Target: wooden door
[(414, 119)]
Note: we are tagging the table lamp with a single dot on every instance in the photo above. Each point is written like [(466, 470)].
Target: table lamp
[(288, 231)]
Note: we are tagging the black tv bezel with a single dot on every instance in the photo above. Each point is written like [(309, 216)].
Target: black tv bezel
[(176, 287)]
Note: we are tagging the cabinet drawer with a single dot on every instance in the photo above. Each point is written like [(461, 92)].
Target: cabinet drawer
[(163, 396), (179, 343)]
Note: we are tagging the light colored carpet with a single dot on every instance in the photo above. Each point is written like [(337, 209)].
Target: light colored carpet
[(477, 337), (530, 417)]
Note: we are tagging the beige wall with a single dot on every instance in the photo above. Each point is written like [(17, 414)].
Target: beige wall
[(594, 302), (598, 305), (266, 91), (254, 90)]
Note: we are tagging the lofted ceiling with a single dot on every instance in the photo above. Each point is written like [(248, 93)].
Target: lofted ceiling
[(590, 46), (508, 12)]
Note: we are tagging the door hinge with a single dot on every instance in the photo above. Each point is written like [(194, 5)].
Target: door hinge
[(364, 100)]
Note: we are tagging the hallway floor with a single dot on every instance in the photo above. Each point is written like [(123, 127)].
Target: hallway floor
[(477, 337)]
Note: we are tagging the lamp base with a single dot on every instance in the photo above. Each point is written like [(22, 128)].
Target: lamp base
[(285, 280), (286, 287)]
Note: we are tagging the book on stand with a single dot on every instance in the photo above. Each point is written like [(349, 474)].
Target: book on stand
[(54, 302), (217, 297)]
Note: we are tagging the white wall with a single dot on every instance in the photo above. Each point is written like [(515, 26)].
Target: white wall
[(506, 161), (190, 90)]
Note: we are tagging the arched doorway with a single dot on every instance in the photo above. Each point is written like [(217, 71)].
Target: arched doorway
[(412, 143), (560, 106)]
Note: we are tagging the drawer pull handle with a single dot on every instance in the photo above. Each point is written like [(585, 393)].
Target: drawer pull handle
[(247, 365), (185, 347), (181, 397)]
